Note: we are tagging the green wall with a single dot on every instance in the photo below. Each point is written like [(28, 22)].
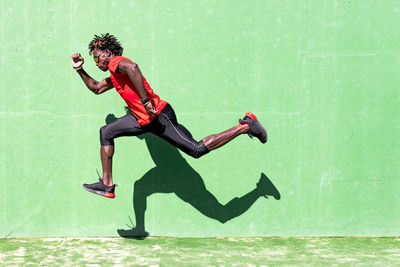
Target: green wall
[(323, 76)]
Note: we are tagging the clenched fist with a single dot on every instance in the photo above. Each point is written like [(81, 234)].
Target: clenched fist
[(77, 61)]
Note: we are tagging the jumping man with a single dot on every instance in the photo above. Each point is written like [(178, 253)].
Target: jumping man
[(149, 112)]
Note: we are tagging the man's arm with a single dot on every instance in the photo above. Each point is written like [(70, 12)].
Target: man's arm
[(135, 75), (93, 85)]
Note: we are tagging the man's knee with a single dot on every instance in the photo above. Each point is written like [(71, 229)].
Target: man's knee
[(195, 154), (105, 138), (199, 151)]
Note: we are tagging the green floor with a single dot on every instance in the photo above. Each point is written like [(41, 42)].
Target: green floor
[(168, 251)]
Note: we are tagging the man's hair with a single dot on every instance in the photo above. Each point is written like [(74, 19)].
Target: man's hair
[(106, 41)]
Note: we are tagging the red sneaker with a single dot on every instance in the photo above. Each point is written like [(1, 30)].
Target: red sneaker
[(101, 189), (255, 127)]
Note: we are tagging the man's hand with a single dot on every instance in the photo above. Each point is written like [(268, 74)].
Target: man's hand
[(150, 109), (77, 61)]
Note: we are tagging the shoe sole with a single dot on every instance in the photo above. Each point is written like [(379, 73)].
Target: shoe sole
[(101, 193)]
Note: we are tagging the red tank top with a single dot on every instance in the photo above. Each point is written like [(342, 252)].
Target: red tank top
[(128, 92)]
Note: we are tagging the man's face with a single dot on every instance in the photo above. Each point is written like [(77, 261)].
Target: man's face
[(102, 58)]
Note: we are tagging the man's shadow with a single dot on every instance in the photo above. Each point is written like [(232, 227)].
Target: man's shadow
[(173, 174)]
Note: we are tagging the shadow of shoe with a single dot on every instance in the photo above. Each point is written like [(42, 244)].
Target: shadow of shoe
[(267, 188), (133, 234)]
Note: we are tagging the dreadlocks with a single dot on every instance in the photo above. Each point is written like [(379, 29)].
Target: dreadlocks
[(106, 41)]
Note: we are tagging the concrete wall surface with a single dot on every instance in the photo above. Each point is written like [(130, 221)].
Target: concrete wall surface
[(322, 76)]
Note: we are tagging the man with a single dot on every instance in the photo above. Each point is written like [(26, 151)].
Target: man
[(149, 112)]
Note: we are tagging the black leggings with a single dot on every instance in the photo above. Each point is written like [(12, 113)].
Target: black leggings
[(165, 126)]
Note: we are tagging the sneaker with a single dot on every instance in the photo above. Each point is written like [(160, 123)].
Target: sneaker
[(101, 189), (255, 127), (266, 187)]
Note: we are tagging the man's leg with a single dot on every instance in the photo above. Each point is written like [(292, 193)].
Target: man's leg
[(169, 129), (106, 154), (124, 126), (215, 141), (249, 124)]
